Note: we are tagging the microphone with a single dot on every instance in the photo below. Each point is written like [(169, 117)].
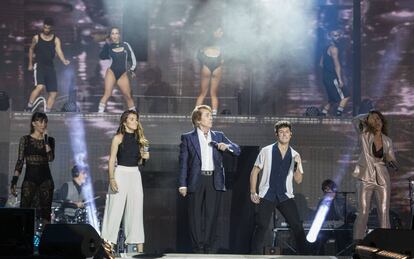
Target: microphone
[(46, 139), (146, 149), (215, 144), (392, 165), (295, 166)]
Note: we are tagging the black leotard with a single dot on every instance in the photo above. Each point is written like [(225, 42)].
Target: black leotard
[(211, 63), (119, 58)]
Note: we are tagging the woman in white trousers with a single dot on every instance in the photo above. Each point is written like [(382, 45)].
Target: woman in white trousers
[(125, 194)]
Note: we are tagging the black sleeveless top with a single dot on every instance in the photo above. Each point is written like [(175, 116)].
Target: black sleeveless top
[(379, 153), (45, 51), (128, 151), (328, 63)]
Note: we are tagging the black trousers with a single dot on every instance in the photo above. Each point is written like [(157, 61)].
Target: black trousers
[(290, 213), (203, 208)]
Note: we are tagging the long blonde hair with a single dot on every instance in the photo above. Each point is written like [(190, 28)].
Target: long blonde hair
[(139, 132)]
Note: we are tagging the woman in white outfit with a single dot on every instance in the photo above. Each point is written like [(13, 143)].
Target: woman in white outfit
[(125, 195), (371, 171)]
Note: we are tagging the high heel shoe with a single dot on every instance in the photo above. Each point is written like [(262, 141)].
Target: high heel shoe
[(108, 248)]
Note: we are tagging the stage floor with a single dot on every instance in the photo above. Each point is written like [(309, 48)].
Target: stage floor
[(328, 147), (228, 256)]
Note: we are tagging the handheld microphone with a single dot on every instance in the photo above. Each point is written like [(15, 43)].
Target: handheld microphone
[(295, 166), (392, 165), (215, 144), (146, 149), (46, 139)]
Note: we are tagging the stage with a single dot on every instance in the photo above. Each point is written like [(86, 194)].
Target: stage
[(328, 146), (239, 256)]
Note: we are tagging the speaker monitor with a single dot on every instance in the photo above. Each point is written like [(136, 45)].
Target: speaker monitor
[(70, 240), (272, 250), (393, 240), (17, 231)]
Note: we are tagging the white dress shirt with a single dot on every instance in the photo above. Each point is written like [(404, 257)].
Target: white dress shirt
[(207, 163)]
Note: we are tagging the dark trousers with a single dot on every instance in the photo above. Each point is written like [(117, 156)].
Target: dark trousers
[(203, 208), (290, 213)]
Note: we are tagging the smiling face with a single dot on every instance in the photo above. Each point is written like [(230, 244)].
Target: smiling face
[(131, 123), (284, 135), (115, 35)]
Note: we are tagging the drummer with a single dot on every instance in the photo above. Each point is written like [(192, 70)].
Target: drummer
[(71, 192)]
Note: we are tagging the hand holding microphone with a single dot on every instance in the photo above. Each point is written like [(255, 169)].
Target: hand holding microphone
[(221, 146), (297, 160), (46, 138), (393, 165), (145, 154)]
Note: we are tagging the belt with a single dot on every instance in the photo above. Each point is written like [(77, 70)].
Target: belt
[(207, 173)]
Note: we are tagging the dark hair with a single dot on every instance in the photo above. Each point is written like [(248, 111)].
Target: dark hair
[(139, 132), (282, 124), (37, 116), (196, 114), (328, 183), (48, 21), (384, 129), (77, 169)]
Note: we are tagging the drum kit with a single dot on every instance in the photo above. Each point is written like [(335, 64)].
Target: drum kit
[(79, 215)]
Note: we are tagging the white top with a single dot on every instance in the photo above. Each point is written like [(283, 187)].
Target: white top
[(134, 60), (207, 163), (264, 162)]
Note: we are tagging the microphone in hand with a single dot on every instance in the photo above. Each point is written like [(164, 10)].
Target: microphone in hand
[(393, 165), (146, 150), (216, 145), (46, 139)]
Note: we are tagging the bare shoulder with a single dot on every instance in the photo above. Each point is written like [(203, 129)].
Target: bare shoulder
[(35, 39), (117, 139), (333, 50)]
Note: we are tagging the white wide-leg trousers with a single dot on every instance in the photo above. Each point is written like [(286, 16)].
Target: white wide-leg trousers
[(126, 204)]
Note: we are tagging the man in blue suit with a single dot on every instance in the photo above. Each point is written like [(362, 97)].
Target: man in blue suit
[(201, 177)]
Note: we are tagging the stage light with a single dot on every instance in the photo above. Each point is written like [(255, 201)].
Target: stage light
[(79, 149), (319, 218)]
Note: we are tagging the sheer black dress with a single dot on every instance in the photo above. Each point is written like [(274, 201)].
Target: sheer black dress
[(38, 186)]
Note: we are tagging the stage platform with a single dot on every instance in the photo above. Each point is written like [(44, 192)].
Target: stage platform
[(328, 146), (226, 256)]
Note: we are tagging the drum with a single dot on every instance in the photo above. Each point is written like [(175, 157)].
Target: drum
[(81, 216), (58, 217)]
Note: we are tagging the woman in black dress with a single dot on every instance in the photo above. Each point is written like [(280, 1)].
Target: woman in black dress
[(37, 150)]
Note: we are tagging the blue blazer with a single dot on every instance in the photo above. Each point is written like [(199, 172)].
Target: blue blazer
[(190, 160)]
